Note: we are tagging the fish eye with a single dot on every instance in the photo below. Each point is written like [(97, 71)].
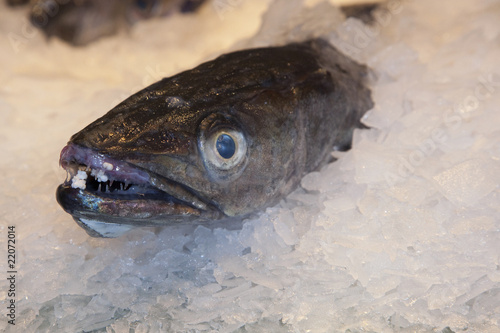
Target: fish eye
[(226, 147), (223, 146)]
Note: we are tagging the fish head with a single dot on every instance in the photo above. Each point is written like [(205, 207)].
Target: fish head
[(167, 156), (225, 139)]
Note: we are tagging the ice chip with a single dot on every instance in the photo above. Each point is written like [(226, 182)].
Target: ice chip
[(469, 181), (107, 166), (284, 226), (79, 180), (99, 175)]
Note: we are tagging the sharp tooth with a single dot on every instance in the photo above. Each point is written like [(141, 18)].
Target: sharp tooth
[(121, 186), (111, 182), (99, 187)]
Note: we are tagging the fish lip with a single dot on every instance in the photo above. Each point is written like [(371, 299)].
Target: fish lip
[(164, 199), (74, 155)]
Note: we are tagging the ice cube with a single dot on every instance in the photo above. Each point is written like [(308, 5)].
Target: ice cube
[(468, 182)]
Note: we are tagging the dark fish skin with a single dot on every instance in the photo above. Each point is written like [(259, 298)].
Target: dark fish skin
[(285, 108), (80, 22)]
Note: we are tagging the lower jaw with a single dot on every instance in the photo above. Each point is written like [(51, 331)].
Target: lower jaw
[(89, 209)]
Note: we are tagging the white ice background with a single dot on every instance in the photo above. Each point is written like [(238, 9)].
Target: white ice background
[(400, 234)]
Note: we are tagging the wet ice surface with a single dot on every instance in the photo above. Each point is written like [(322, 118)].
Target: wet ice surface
[(400, 234)]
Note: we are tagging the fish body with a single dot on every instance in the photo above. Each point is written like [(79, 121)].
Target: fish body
[(227, 138), (80, 22)]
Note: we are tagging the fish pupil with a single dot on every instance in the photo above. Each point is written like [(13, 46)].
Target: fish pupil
[(225, 146)]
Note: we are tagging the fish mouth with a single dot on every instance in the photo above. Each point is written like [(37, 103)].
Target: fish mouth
[(107, 196)]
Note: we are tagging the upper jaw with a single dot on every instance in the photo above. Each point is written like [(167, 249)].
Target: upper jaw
[(76, 158), (108, 190)]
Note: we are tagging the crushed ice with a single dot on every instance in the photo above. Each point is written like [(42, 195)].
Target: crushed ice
[(79, 180), (400, 234), (100, 175), (107, 166)]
